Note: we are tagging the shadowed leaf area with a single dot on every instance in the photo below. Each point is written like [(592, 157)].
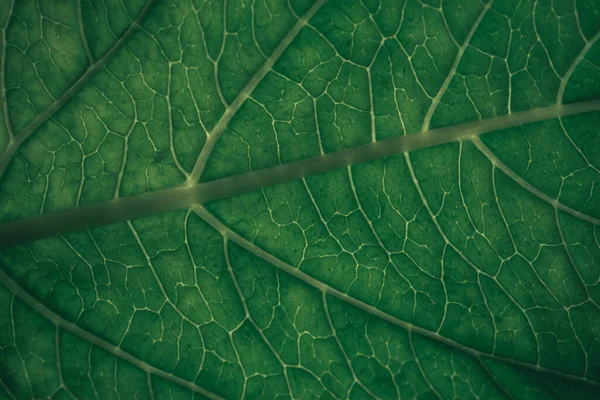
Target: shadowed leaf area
[(464, 267)]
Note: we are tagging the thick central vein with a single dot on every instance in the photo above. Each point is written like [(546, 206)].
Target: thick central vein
[(38, 227)]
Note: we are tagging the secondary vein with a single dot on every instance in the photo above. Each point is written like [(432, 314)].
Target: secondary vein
[(89, 73), (529, 187), (247, 90), (325, 288), (116, 351)]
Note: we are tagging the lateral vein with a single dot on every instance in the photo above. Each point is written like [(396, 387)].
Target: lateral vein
[(89, 73), (323, 287), (246, 91), (62, 323), (554, 202)]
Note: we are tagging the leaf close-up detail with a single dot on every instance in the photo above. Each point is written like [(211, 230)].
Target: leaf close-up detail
[(270, 199)]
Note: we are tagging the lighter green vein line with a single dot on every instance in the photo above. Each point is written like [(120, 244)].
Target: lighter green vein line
[(86, 46), (420, 367), (95, 340), (567, 77), (297, 273), (247, 90), (451, 73), (3, 46), (29, 229), (337, 340), (499, 384), (529, 187), (89, 73), (7, 390)]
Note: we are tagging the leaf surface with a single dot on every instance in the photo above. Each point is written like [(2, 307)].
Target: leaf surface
[(307, 199)]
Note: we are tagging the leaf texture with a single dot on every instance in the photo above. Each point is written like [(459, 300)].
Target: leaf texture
[(307, 199)]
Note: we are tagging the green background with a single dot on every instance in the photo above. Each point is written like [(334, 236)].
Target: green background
[(490, 248)]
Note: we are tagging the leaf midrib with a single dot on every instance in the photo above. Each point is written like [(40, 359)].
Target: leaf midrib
[(180, 197)]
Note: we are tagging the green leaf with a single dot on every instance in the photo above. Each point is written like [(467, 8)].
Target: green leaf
[(299, 199)]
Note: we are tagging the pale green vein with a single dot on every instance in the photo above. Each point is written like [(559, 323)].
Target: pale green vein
[(37, 227), (565, 79), (57, 104), (492, 376), (420, 367), (528, 186), (251, 319), (59, 321), (336, 337), (451, 73), (3, 46), (246, 91), (59, 367), (149, 383), (323, 287), (7, 390), (86, 46)]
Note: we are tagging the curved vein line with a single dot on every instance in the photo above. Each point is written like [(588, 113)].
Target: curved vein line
[(3, 44), (161, 287), (337, 340), (478, 271), (150, 388), (92, 70), (420, 367), (477, 141), (250, 318), (528, 186), (7, 390), (38, 227), (451, 73), (246, 91), (499, 384), (59, 321), (86, 46), (584, 285), (59, 367), (323, 287), (565, 79)]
